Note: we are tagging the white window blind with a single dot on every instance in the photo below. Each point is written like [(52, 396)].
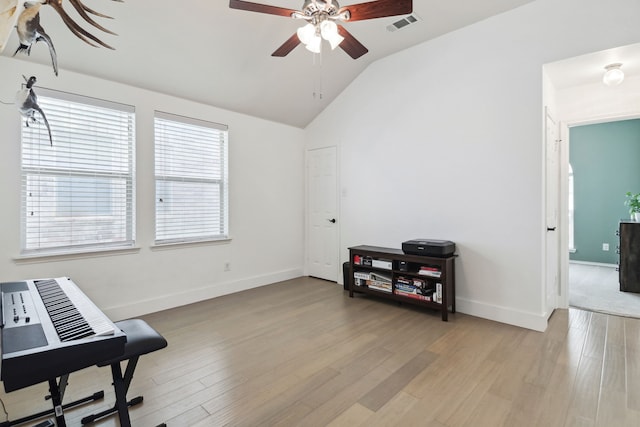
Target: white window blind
[(78, 195), (191, 179)]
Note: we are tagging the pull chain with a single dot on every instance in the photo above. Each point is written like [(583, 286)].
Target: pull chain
[(317, 79)]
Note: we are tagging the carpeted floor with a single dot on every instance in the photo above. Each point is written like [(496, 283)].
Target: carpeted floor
[(596, 288)]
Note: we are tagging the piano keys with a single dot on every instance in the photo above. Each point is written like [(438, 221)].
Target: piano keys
[(50, 328)]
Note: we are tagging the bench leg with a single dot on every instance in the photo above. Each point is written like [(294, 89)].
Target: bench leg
[(121, 395), (121, 387)]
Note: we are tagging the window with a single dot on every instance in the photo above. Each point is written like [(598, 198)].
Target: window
[(78, 195), (191, 179)]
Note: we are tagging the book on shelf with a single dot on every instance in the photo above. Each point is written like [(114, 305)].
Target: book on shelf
[(425, 287), (381, 263), (379, 286), (406, 288), (361, 275), (412, 295), (426, 270), (380, 277), (414, 288), (403, 281), (438, 293)]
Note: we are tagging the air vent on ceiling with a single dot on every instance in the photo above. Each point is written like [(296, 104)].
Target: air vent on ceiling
[(403, 23)]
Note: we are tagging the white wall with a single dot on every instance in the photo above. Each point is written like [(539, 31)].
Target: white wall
[(444, 140), (266, 162)]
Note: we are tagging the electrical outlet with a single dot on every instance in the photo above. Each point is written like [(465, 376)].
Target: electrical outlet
[(227, 266), (605, 246)]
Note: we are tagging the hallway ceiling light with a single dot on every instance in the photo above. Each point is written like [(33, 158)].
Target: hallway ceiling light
[(614, 75)]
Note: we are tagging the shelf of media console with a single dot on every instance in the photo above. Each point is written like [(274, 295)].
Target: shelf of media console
[(435, 281), (399, 298)]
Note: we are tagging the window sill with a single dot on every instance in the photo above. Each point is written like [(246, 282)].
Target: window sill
[(177, 245), (64, 256)]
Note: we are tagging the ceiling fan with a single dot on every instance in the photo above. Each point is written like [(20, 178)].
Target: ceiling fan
[(321, 17)]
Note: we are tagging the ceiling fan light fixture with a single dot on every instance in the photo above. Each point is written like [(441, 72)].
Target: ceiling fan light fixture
[(314, 44), (614, 75), (306, 33), (329, 31), (335, 40), (317, 11)]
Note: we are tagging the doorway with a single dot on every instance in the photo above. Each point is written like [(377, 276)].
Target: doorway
[(603, 156), (573, 88), (322, 228)]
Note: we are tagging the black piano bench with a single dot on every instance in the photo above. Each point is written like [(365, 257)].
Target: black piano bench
[(141, 339)]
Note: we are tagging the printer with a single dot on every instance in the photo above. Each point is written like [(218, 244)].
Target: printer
[(429, 247)]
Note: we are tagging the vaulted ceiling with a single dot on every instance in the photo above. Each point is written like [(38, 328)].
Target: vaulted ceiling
[(206, 52)]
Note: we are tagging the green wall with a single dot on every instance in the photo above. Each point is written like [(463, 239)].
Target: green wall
[(606, 164)]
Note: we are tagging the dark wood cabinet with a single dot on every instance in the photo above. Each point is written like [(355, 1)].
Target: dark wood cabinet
[(629, 234), (413, 279)]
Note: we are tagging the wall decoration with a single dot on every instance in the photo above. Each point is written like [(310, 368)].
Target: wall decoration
[(27, 102), (30, 32), (24, 15)]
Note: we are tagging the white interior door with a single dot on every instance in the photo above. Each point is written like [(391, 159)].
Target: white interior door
[(552, 172), (322, 233)]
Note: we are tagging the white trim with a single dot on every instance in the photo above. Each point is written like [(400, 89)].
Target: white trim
[(190, 120), (597, 264), (523, 319), (204, 242), (50, 256), (603, 119), (83, 99), (206, 291)]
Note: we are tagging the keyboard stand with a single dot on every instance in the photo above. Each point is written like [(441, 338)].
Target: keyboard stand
[(56, 388)]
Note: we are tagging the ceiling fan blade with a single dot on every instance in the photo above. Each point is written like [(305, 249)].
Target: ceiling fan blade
[(261, 8), (378, 9), (353, 47), (291, 43)]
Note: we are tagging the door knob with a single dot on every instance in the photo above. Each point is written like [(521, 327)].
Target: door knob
[(332, 220)]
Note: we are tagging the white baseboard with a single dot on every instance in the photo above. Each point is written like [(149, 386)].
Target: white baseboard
[(534, 321), (595, 264), (212, 290)]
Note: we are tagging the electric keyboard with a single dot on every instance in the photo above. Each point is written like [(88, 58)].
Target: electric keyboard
[(49, 329)]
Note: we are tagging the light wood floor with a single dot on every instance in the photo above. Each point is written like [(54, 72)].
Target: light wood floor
[(302, 353)]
